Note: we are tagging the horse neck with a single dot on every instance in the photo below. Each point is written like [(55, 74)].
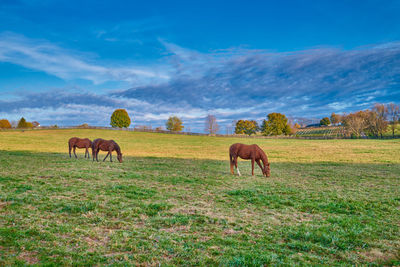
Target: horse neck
[(117, 149), (264, 157)]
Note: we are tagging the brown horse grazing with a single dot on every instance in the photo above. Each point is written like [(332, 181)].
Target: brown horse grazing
[(106, 145), (76, 142), (253, 152)]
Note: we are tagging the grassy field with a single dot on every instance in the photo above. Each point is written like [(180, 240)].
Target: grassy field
[(173, 202)]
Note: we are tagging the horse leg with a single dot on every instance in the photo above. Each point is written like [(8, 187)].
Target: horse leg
[(252, 167), (93, 154), (97, 155), (259, 164), (231, 162), (88, 154), (74, 152), (110, 155), (237, 169), (69, 149), (106, 155)]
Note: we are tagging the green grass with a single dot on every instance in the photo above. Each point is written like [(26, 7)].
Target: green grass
[(173, 202)]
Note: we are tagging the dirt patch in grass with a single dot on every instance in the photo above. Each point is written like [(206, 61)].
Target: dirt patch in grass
[(29, 257), (376, 255), (3, 204)]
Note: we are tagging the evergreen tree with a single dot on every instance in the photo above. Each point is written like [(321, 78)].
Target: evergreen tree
[(22, 123)]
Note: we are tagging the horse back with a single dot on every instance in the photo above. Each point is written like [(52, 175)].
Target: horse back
[(246, 151), (96, 143), (242, 150), (104, 145), (72, 141)]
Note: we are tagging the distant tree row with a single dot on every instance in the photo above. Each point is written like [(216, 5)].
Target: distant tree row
[(276, 124), (372, 122), (175, 124), (120, 119), (22, 123)]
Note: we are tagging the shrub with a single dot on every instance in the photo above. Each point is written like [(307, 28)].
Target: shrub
[(120, 119), (5, 124)]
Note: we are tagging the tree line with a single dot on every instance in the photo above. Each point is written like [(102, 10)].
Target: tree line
[(370, 122), (21, 124)]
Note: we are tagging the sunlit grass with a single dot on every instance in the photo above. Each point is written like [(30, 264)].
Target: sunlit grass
[(173, 201), (139, 144)]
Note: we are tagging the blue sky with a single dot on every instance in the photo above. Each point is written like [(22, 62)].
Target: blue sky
[(74, 62)]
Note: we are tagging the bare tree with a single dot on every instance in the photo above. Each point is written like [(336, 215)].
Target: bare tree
[(230, 127), (211, 125), (379, 123), (335, 118), (356, 122), (393, 114)]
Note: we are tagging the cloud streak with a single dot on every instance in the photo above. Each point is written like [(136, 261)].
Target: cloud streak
[(69, 65), (322, 80), (232, 84)]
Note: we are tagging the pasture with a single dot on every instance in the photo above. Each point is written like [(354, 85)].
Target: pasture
[(173, 202)]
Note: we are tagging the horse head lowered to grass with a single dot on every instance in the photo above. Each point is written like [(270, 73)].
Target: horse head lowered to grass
[(252, 152), (106, 145)]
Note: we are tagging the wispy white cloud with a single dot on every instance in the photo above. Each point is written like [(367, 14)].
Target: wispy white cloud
[(236, 85), (66, 64)]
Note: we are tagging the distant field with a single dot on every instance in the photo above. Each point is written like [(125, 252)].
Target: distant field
[(336, 132), (173, 201), (332, 132)]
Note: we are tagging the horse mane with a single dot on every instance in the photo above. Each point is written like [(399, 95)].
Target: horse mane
[(117, 148), (264, 157)]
